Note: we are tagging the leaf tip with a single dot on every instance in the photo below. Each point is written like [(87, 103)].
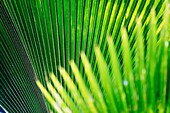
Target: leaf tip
[(109, 39), (46, 78), (60, 69), (71, 62)]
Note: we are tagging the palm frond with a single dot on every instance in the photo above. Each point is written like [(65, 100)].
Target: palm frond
[(127, 90), (85, 55)]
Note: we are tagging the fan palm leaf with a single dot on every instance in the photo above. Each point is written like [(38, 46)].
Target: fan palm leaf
[(85, 55)]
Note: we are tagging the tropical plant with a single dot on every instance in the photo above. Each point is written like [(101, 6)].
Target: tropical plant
[(136, 84), (87, 55)]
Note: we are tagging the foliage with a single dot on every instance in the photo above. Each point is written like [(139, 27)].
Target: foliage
[(87, 55), (140, 85)]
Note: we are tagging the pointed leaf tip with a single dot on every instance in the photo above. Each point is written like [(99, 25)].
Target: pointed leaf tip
[(71, 62), (124, 34), (82, 54), (109, 39), (46, 78)]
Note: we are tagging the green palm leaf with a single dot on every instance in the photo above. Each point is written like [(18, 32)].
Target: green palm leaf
[(85, 56), (137, 92)]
